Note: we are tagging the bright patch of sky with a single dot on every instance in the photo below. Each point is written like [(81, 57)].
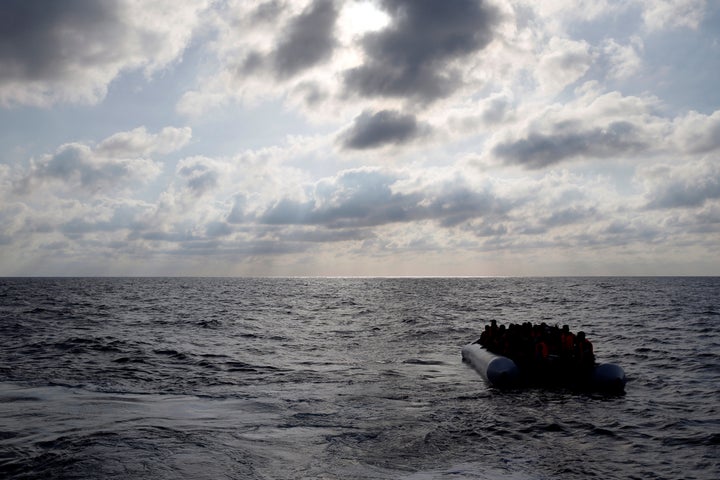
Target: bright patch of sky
[(359, 137)]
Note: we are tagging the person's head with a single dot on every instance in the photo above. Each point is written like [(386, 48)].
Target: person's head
[(566, 329), (581, 335)]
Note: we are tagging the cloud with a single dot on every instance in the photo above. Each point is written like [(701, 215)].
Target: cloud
[(371, 197), (538, 150), (104, 216), (216, 229), (491, 111), (333, 88), (386, 127), (497, 109), (354, 198), (117, 161), (306, 40), (267, 12), (698, 133), (595, 125), (309, 39), (573, 10), (70, 51), (413, 57), (664, 14), (682, 186), (139, 142), (268, 50), (76, 164), (237, 212), (562, 63), (656, 14), (569, 216), (202, 175), (323, 235), (623, 60)]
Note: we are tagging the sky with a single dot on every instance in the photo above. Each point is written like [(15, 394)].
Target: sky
[(359, 137)]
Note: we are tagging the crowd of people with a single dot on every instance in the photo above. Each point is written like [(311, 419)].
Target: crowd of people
[(539, 347)]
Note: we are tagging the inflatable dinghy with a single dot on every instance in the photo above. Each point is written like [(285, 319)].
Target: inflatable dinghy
[(502, 372)]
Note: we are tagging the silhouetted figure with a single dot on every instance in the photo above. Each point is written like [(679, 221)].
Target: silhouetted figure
[(545, 351), (584, 356)]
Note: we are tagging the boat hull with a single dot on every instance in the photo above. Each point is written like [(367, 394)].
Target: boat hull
[(502, 372)]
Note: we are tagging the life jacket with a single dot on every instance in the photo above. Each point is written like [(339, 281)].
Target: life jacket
[(541, 350), (567, 342)]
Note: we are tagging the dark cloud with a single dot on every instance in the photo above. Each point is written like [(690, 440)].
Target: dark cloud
[(364, 198), (380, 129), (458, 203), (309, 39), (310, 93), (540, 150), (411, 58), (683, 191), (47, 39), (267, 11), (253, 62)]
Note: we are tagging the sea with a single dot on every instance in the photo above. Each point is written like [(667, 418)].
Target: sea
[(348, 378)]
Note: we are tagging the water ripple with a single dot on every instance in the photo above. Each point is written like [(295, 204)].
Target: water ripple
[(347, 378)]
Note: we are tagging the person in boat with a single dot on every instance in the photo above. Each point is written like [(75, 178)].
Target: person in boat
[(540, 347), (584, 355), (567, 343)]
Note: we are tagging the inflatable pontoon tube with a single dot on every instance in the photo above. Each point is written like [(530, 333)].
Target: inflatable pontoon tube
[(608, 377), (496, 370), (502, 372)]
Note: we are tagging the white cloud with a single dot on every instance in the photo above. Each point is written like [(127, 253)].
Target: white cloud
[(119, 161), (656, 14), (140, 142), (688, 185), (698, 133), (76, 165), (249, 45), (663, 14), (562, 63), (502, 133), (573, 10), (624, 60), (594, 125)]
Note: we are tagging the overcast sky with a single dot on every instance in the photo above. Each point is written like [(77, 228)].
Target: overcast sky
[(387, 137)]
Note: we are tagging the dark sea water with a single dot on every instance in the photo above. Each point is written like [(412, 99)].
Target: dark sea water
[(348, 378)]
